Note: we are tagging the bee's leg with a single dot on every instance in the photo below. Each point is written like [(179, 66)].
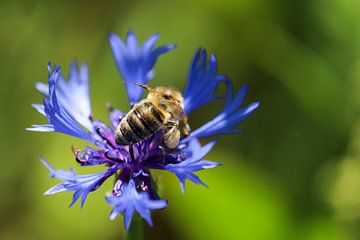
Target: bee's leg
[(186, 128), (171, 134)]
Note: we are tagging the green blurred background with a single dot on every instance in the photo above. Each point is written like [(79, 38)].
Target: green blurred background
[(294, 173)]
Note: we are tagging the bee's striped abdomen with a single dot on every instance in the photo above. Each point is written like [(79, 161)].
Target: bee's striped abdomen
[(142, 121)]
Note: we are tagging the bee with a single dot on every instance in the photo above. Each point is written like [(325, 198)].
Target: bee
[(161, 110)]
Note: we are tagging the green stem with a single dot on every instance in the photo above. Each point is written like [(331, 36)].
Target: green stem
[(136, 230)]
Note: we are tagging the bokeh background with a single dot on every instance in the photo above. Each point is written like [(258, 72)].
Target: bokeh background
[(294, 173)]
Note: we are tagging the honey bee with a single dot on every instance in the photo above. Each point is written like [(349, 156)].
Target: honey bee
[(161, 110)]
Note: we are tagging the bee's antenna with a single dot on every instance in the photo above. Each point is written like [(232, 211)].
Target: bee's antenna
[(145, 86)]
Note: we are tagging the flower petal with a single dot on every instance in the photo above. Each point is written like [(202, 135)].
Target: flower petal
[(229, 118), (41, 128), (135, 63), (80, 184), (202, 81), (59, 118), (40, 108), (130, 200), (185, 169), (115, 117), (73, 94)]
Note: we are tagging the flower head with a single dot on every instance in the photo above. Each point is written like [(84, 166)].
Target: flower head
[(66, 105)]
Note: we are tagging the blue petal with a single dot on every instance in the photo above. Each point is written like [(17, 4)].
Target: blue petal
[(73, 94), (202, 81), (81, 185), (40, 108), (41, 128), (59, 118), (229, 118), (115, 117), (128, 214), (185, 169), (135, 63), (130, 200), (43, 88)]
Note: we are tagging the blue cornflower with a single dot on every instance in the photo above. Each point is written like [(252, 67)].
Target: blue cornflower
[(66, 105)]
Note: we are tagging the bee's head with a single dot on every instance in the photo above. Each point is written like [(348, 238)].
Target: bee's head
[(169, 99), (167, 94)]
